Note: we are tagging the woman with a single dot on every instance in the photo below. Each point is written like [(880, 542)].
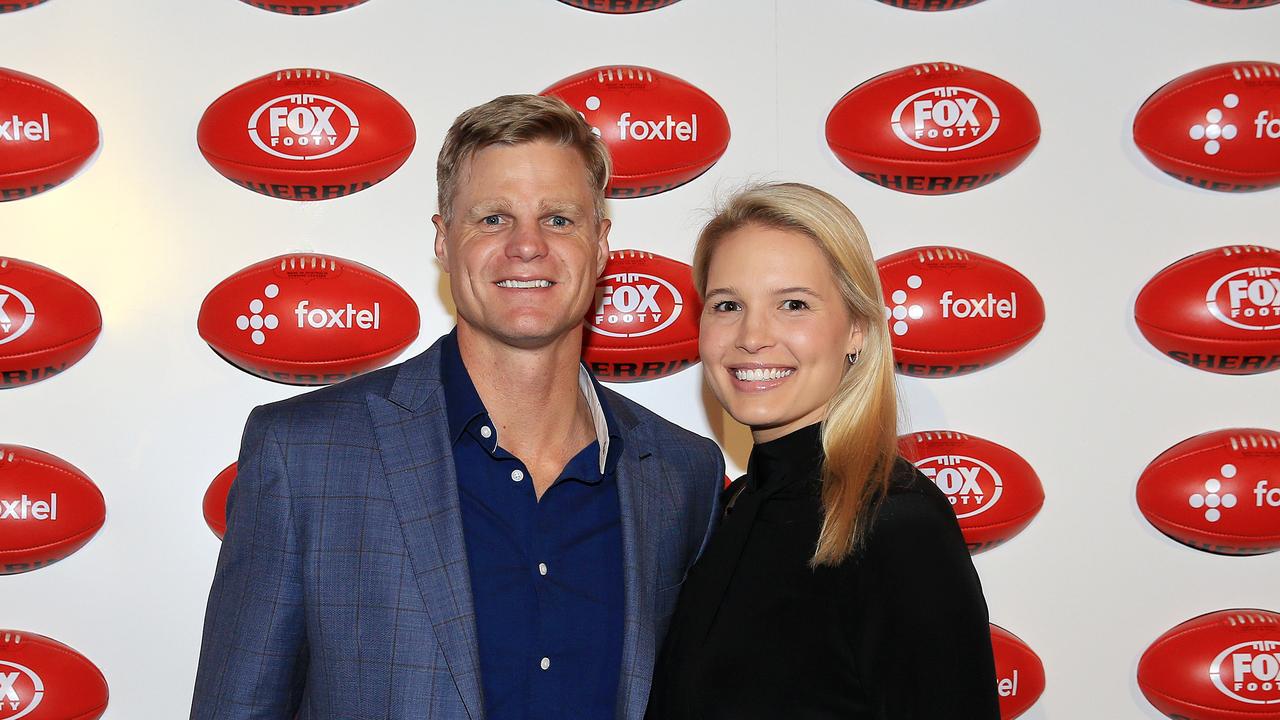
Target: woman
[(838, 584)]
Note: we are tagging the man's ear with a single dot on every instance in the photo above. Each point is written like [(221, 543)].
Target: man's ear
[(602, 246), (442, 249)]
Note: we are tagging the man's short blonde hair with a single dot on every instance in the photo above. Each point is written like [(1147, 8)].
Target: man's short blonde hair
[(513, 120)]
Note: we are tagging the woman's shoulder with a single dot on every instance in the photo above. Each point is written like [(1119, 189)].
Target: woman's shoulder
[(914, 511)]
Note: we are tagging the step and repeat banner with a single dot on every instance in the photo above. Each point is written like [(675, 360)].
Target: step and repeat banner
[(213, 205)]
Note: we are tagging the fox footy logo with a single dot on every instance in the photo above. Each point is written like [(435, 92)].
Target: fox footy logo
[(1249, 672), (17, 314), (972, 486), (303, 127), (945, 119), (21, 690), (1248, 298), (634, 305)]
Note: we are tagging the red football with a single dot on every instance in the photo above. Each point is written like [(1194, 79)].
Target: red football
[(46, 136), (1218, 491), (933, 129), (308, 319), (13, 6), (306, 135), (48, 509), (993, 491), (1019, 673), (644, 322), (930, 5), (619, 7), (1216, 310), (1221, 666), (1238, 4), (215, 500), (47, 323), (1216, 128), (661, 131), (953, 311), (304, 7), (42, 679)]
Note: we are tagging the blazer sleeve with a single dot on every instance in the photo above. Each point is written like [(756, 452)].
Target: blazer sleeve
[(921, 633), (710, 495), (253, 656)]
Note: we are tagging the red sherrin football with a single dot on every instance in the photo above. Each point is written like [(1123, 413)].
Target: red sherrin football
[(931, 5), (1218, 491), (661, 131), (1238, 4), (308, 319), (1019, 673), (46, 680), (215, 500), (644, 322), (994, 492), (1221, 666), (306, 135), (47, 323), (1216, 128), (304, 7), (933, 129), (952, 311), (1216, 310), (16, 5), (619, 7), (48, 510), (46, 136)]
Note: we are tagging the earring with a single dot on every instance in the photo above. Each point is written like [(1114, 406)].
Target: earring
[(853, 357)]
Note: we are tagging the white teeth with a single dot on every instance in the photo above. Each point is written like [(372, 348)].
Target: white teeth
[(524, 283), (759, 374)]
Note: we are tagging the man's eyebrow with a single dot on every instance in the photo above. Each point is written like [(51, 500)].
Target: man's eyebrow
[(567, 207), (483, 208)]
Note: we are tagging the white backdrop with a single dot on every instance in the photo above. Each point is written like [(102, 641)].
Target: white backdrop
[(152, 414)]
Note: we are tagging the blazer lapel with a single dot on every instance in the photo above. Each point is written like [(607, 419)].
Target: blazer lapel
[(412, 433)]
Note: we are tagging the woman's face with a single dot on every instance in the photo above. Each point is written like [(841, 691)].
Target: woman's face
[(774, 330)]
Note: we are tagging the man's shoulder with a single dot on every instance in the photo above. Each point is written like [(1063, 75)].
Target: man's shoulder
[(666, 435)]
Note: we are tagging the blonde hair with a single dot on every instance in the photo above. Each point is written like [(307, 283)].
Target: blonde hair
[(859, 434), (513, 120)]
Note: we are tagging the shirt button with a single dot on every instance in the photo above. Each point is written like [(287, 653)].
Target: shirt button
[(542, 568), (545, 664), (517, 475), (486, 432)]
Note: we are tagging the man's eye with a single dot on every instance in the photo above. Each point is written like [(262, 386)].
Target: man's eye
[(492, 220), (725, 306), (560, 221), (795, 305)]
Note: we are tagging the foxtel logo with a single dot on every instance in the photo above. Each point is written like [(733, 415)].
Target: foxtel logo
[(1267, 125), (987, 307), (342, 318), (24, 508), (667, 129), (15, 129)]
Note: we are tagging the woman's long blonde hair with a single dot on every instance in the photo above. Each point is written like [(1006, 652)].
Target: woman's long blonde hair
[(859, 434)]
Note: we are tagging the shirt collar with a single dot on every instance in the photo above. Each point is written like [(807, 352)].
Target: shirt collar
[(463, 404)]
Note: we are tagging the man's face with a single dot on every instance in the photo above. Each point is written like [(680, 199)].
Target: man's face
[(523, 248)]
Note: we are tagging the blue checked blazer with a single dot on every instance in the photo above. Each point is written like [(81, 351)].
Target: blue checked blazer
[(342, 590)]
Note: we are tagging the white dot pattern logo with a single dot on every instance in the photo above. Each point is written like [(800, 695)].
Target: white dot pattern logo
[(901, 313), (1213, 130), (593, 104), (1213, 498), (256, 321)]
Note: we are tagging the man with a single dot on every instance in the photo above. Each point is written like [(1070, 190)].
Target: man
[(483, 530)]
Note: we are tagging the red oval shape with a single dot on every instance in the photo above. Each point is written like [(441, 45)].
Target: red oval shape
[(47, 323), (993, 491), (1216, 128), (308, 319), (46, 136), (933, 129), (1219, 666), (619, 7), (215, 500), (1238, 4), (304, 7), (48, 680), (306, 135), (661, 131), (1218, 491), (1019, 673), (931, 5), (952, 311), (1217, 310), (644, 323), (48, 509), (13, 6)]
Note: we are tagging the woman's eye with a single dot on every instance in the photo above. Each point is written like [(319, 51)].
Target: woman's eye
[(725, 306), (795, 305)]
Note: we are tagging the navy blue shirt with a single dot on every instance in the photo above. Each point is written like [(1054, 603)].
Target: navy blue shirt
[(546, 575)]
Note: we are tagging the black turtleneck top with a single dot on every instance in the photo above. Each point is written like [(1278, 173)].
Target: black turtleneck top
[(896, 632)]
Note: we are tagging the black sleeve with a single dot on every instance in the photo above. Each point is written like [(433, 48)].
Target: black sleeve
[(919, 630)]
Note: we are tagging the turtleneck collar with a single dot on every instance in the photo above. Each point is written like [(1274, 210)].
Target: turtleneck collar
[(793, 457)]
